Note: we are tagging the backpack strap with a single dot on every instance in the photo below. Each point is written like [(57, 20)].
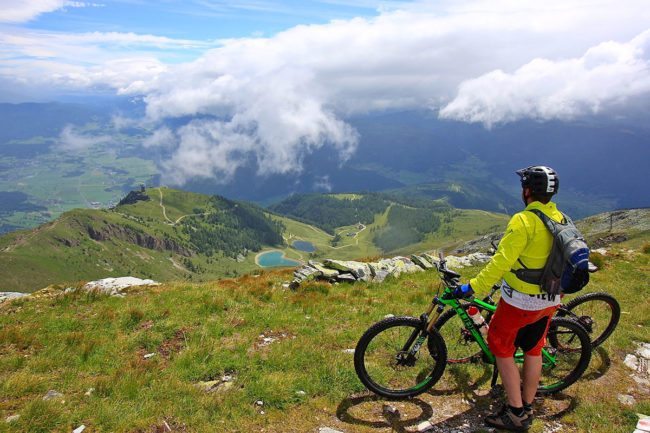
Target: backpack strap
[(533, 276), (548, 222)]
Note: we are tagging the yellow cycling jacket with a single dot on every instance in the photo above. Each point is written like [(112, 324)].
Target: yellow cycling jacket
[(527, 239)]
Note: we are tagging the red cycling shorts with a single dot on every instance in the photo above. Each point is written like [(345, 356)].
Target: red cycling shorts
[(512, 328)]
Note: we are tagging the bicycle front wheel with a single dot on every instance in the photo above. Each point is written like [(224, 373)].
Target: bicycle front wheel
[(598, 313), (387, 363), (461, 344), (569, 351)]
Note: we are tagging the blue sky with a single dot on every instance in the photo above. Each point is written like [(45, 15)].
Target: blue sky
[(205, 20)]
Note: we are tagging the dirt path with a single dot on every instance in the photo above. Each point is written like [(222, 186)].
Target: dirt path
[(180, 218), (164, 211), (356, 238), (23, 240)]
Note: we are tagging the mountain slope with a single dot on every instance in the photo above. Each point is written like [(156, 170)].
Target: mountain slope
[(161, 233), (253, 341)]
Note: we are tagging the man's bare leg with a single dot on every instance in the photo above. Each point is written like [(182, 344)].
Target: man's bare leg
[(511, 380), (532, 373)]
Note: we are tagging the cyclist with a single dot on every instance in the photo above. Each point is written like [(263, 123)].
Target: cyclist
[(523, 314)]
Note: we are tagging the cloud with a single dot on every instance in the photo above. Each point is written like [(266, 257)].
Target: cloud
[(162, 137), (272, 101), (323, 184), (18, 11), (71, 140), (606, 77)]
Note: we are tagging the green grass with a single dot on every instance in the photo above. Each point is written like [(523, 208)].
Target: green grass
[(73, 342), (100, 176)]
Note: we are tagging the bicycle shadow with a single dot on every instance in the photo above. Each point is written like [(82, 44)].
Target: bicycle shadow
[(387, 419), (461, 405), (352, 411), (598, 370)]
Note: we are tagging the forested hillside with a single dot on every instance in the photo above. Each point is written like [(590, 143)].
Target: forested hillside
[(329, 211)]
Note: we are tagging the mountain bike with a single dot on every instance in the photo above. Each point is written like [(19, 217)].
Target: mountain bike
[(401, 357), (598, 313)]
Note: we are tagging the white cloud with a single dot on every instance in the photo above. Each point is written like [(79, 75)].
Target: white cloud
[(18, 11), (71, 140), (323, 184), (605, 78), (162, 137)]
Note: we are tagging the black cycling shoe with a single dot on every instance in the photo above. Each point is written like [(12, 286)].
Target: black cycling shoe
[(505, 419)]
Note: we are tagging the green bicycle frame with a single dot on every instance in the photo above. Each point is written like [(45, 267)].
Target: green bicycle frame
[(446, 300)]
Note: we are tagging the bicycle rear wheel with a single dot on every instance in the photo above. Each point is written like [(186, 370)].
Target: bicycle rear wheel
[(569, 344), (598, 313), (384, 364)]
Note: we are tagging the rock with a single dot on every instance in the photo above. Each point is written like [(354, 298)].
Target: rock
[(388, 316), (5, 296), (380, 276), (79, 429), (12, 418), (114, 286), (481, 244), (627, 400), (350, 351), (361, 271), (421, 262), (301, 393), (643, 350), (286, 285), (346, 277), (89, 392), (52, 395), (259, 403), (208, 386), (601, 251), (608, 240), (225, 386), (240, 258), (631, 361), (326, 272), (641, 381), (149, 355), (390, 411), (468, 260), (644, 423), (328, 430)]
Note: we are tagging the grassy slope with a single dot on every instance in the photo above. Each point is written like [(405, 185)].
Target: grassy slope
[(37, 258), (75, 342)]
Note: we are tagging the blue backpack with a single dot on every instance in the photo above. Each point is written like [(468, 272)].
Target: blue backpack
[(567, 267)]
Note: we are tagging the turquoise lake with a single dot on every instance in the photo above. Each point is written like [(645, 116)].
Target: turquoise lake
[(305, 246), (273, 259)]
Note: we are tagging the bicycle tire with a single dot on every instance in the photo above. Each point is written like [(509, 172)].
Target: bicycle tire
[(570, 343), (603, 309), (461, 345), (379, 363)]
